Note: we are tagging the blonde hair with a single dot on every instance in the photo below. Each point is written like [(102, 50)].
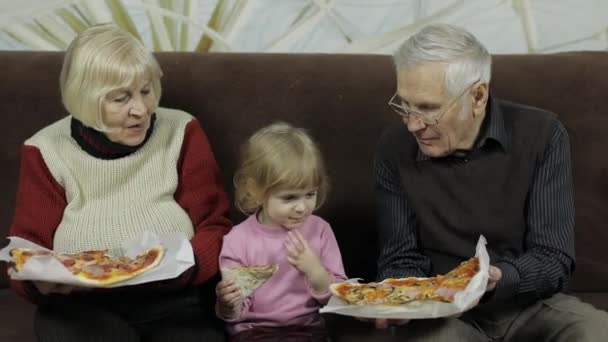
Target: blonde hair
[(278, 157), (99, 60)]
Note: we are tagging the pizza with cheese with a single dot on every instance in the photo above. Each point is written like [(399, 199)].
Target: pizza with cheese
[(405, 290), (95, 267)]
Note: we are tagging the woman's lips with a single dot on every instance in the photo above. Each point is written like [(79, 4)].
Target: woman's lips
[(136, 128)]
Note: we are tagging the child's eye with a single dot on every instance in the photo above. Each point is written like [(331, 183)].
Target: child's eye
[(288, 198), (311, 194), (145, 91)]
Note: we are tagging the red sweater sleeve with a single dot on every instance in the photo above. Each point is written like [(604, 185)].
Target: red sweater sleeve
[(200, 192), (40, 205)]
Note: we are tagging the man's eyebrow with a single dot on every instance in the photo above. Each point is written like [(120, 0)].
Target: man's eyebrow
[(424, 103)]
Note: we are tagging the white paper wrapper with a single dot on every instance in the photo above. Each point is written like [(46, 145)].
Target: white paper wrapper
[(178, 257), (463, 300)]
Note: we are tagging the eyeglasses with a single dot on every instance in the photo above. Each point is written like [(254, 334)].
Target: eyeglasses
[(428, 118)]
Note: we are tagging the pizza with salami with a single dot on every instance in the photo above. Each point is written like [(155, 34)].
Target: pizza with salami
[(95, 267), (405, 290)]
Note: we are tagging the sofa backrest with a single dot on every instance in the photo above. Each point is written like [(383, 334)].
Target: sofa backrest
[(341, 100)]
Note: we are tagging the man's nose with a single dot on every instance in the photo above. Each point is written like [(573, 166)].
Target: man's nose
[(414, 123)]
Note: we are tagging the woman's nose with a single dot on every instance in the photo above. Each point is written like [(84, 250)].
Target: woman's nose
[(138, 107)]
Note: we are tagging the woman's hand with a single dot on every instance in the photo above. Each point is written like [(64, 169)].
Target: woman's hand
[(46, 288), (306, 261), (229, 299)]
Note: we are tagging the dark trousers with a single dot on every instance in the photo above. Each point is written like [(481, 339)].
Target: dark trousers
[(127, 317), (281, 334), (561, 318)]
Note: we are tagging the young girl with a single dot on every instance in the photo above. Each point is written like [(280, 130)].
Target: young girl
[(281, 181)]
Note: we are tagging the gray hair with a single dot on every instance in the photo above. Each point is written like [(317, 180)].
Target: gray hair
[(466, 58)]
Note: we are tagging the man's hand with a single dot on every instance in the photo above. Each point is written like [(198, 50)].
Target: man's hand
[(383, 323), (229, 298), (494, 275)]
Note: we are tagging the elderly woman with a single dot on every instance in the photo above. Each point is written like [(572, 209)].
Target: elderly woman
[(117, 166)]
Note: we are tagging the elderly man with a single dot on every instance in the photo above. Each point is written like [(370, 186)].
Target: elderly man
[(464, 163)]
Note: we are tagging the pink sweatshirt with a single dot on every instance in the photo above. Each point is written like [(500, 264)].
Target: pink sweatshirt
[(287, 298)]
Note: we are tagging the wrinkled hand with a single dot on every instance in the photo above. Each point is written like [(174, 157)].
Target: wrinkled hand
[(46, 288), (229, 298), (301, 256), (494, 275), (383, 323)]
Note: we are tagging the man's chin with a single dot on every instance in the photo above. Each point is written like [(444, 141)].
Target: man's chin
[(432, 151)]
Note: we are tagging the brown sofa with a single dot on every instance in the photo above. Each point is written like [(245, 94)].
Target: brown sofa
[(342, 100)]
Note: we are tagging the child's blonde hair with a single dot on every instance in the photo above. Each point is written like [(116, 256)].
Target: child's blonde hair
[(276, 157)]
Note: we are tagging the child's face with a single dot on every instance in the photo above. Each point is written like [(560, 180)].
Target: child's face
[(288, 208)]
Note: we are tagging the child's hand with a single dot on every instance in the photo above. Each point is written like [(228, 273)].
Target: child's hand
[(306, 261), (229, 299), (300, 255)]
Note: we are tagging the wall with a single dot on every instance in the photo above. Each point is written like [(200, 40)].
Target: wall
[(332, 26)]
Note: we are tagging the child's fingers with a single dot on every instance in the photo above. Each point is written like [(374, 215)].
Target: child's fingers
[(230, 297), (235, 301), (225, 290), (296, 241), (224, 283), (291, 249), (301, 239)]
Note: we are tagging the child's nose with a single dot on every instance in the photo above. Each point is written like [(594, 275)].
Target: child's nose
[(300, 206)]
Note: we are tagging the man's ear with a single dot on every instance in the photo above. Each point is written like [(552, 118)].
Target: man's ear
[(481, 92)]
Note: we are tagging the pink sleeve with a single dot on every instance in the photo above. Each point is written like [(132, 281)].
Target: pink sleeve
[(230, 257), (331, 258)]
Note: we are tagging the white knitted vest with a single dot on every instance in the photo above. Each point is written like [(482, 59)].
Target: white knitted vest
[(111, 201)]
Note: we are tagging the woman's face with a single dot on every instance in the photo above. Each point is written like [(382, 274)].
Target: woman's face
[(127, 112)]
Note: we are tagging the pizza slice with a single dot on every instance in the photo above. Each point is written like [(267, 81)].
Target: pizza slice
[(96, 267), (405, 290), (22, 255), (456, 280), (249, 278), (102, 270)]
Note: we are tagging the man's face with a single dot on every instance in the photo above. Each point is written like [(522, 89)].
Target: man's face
[(421, 89)]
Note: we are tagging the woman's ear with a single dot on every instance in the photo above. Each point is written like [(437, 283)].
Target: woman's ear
[(481, 92)]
